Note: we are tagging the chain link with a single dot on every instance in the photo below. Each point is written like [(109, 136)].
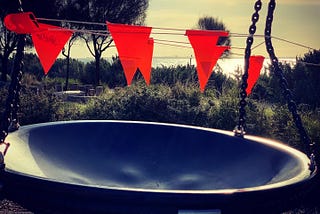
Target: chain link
[(309, 146), (241, 127), (9, 118), (10, 115)]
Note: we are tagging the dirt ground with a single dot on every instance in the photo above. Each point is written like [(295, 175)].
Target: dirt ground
[(10, 207), (7, 206)]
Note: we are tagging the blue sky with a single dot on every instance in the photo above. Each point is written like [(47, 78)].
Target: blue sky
[(294, 20)]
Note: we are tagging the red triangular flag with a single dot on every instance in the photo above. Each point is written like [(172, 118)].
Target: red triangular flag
[(129, 66), (145, 63), (255, 65), (206, 68), (21, 23), (49, 42), (131, 42), (206, 52)]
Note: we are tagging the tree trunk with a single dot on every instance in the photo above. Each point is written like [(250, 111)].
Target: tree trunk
[(68, 70), (4, 72), (97, 79)]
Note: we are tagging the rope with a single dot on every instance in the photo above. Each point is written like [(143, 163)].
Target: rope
[(293, 43), (72, 21), (106, 33), (167, 42), (172, 45)]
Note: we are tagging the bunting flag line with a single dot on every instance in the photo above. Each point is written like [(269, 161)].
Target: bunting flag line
[(255, 66), (21, 23), (134, 48), (133, 43), (206, 51), (48, 42)]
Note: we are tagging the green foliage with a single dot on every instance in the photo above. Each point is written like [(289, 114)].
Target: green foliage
[(283, 127), (259, 118), (37, 107), (160, 103), (306, 78), (33, 66), (59, 69), (303, 80), (172, 75), (173, 97), (3, 95), (68, 111), (113, 74), (89, 70)]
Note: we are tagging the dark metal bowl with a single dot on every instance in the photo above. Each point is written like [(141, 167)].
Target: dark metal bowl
[(128, 167)]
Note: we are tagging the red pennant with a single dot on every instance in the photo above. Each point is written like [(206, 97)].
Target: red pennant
[(206, 52), (145, 63), (129, 66), (21, 23), (255, 65), (131, 42), (49, 42)]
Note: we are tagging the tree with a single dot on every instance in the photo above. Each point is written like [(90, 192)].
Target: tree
[(211, 23), (100, 11), (306, 78), (67, 55), (302, 79)]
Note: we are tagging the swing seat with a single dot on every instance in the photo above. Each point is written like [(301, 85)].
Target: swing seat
[(137, 167)]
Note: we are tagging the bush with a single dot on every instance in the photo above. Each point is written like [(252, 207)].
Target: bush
[(37, 107), (173, 98), (160, 103)]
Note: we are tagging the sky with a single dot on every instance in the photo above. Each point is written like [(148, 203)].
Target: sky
[(294, 20)]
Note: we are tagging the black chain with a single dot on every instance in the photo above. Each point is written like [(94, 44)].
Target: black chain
[(241, 127), (309, 146), (10, 115)]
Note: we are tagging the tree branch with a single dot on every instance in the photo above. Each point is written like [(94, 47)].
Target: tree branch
[(87, 44), (107, 46)]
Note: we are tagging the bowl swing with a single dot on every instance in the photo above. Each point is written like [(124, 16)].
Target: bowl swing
[(148, 167)]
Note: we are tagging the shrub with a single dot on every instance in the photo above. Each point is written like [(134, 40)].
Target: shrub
[(37, 107)]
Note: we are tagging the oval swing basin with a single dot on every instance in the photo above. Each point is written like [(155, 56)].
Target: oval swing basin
[(151, 158)]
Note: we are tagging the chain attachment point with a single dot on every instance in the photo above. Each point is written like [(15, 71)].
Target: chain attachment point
[(312, 164), (239, 131), (4, 148)]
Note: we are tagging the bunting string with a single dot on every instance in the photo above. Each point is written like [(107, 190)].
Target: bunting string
[(172, 45), (71, 21), (106, 33)]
